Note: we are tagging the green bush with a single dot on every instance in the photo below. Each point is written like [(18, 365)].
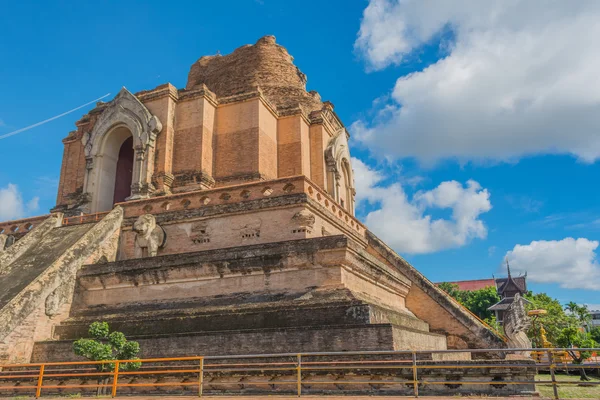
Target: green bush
[(108, 346)]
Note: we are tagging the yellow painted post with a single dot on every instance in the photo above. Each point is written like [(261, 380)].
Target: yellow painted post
[(552, 367), (415, 375), (201, 377), (38, 390), (299, 375), (115, 380)]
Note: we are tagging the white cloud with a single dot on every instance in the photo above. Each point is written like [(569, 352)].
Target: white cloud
[(569, 262), (12, 205), (406, 223), (520, 77)]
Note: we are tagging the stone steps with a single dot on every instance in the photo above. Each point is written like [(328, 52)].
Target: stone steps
[(239, 317)]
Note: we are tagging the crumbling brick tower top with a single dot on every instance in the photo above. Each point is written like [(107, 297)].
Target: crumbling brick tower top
[(243, 117), (266, 65)]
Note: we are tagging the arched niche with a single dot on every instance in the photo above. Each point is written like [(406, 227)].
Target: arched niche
[(340, 176), (123, 118), (103, 196), (124, 174)]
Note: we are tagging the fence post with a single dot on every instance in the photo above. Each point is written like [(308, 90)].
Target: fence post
[(38, 390), (415, 374), (299, 375), (115, 379), (552, 367), (201, 377)]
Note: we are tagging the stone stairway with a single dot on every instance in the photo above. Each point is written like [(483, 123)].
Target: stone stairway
[(37, 276)]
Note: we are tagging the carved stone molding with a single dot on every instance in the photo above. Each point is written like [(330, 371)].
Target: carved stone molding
[(338, 161), (124, 111), (199, 233), (250, 230), (305, 221)]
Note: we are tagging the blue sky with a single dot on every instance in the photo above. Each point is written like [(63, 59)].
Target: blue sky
[(434, 98)]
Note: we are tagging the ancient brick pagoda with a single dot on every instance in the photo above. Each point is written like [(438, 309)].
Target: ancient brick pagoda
[(216, 219)]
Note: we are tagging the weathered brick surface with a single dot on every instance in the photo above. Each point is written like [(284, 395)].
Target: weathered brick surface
[(265, 341), (243, 117), (265, 64), (37, 286), (38, 231), (318, 143), (229, 206), (164, 108), (431, 304), (253, 294), (293, 146), (193, 152)]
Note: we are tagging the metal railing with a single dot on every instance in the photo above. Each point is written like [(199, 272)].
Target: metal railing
[(417, 368), (84, 218)]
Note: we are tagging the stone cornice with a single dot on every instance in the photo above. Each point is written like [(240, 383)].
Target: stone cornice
[(328, 118), (72, 137), (294, 111), (319, 200), (256, 93), (166, 90), (332, 243), (199, 91)]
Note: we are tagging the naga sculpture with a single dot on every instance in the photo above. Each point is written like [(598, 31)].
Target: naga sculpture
[(516, 324), (149, 236), (3, 241)]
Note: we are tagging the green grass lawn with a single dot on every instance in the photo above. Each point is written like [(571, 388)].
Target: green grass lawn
[(571, 391)]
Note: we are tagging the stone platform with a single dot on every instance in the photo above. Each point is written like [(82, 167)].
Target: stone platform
[(307, 295)]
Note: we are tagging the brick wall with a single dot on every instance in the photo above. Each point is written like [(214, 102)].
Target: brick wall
[(244, 131)]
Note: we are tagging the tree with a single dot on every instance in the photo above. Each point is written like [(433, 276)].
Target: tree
[(571, 306), (450, 288), (573, 338), (107, 346), (494, 324), (554, 321), (580, 312), (595, 334), (477, 301)]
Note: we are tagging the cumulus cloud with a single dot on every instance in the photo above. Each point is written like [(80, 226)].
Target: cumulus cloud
[(569, 262), (12, 205), (406, 223), (518, 77)]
